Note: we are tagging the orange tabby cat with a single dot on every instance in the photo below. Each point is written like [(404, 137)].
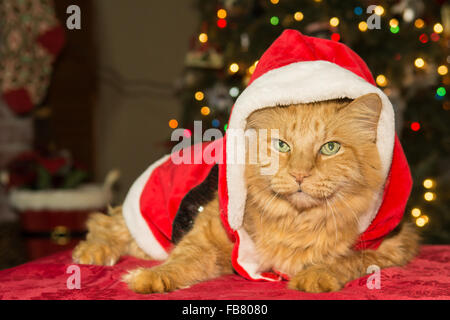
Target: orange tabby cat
[(304, 219)]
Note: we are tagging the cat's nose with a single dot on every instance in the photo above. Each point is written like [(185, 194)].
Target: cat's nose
[(299, 176)]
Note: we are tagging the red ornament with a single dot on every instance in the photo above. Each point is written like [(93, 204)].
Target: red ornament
[(221, 23), (415, 126)]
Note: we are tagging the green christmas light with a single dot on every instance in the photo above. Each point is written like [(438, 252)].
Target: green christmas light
[(274, 20), (441, 91), (395, 29)]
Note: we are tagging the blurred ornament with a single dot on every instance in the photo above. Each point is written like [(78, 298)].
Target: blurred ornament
[(245, 41), (408, 9), (209, 58), (218, 97)]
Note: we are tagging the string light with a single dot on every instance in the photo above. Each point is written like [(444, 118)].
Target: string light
[(205, 111), (221, 23), (441, 91), (379, 10), (393, 23), (334, 22), (187, 133), (428, 183), (358, 11), (225, 127), (415, 212), (203, 37), (221, 13), (435, 37), (173, 124), (335, 37), (234, 67), (421, 221), (362, 26), (298, 16), (438, 28), (274, 1), (419, 23), (199, 96), (381, 80), (215, 123), (234, 92), (442, 70), (415, 126), (419, 63), (423, 38), (429, 196), (395, 29), (274, 20)]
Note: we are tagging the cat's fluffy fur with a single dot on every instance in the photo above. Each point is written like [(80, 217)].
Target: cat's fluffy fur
[(304, 219)]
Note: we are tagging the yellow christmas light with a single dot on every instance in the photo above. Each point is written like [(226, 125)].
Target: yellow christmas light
[(428, 183), (298, 16), (442, 70), (362, 26), (203, 37), (419, 62), (234, 67), (419, 23), (438, 28), (429, 196), (199, 96), (393, 23), (379, 10), (381, 80), (334, 22), (205, 111), (416, 212), (274, 1), (221, 13), (421, 221)]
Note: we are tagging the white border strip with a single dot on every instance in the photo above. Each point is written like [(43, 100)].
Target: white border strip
[(136, 224)]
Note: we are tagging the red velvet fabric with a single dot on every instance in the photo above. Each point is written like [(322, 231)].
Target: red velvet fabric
[(426, 277)]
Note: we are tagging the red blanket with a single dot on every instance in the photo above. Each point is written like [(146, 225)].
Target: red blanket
[(427, 277)]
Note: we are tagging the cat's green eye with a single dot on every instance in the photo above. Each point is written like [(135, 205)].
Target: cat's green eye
[(281, 146), (330, 148)]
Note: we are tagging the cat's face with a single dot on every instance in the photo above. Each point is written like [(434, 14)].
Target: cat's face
[(325, 150)]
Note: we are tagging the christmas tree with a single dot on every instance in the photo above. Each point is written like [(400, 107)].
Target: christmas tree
[(405, 43)]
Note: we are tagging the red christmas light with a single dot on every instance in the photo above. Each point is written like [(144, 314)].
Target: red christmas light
[(415, 126), (221, 23), (423, 38), (335, 37), (435, 37)]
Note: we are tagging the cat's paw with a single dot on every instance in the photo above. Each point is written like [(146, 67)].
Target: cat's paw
[(154, 280), (315, 280), (90, 252)]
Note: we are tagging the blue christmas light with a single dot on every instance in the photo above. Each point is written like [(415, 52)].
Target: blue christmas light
[(358, 11), (215, 123)]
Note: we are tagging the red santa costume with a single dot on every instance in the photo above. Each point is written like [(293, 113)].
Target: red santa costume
[(162, 204)]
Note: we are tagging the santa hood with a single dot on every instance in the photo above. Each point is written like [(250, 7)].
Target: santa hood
[(161, 205)]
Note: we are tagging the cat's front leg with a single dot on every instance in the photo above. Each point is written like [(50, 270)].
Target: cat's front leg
[(204, 253), (153, 280), (316, 279)]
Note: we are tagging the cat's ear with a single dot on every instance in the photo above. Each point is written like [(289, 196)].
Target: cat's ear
[(365, 113)]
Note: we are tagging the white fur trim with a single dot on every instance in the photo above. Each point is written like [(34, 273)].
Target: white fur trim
[(86, 197), (133, 217), (248, 258), (303, 82)]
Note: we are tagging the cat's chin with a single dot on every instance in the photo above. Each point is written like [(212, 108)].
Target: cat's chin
[(302, 200)]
